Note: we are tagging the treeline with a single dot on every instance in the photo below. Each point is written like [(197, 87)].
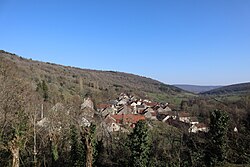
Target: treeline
[(64, 142)]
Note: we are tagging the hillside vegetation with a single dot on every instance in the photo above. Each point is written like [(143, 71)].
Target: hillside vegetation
[(65, 81), (242, 88), (197, 88), (46, 120)]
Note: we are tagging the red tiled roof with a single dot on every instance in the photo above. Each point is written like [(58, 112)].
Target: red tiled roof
[(128, 118)]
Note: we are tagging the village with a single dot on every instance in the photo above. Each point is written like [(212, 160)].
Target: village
[(121, 114), (126, 111)]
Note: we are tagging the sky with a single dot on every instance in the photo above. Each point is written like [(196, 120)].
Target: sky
[(202, 42)]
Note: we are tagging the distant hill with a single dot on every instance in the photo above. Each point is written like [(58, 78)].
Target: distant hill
[(231, 89), (65, 81), (196, 88)]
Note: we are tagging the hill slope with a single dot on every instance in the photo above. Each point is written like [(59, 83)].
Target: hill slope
[(241, 88), (67, 81), (196, 88)]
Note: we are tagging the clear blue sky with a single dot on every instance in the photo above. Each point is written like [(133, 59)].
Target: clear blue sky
[(204, 42)]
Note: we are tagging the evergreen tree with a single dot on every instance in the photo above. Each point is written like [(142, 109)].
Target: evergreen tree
[(139, 145), (43, 89), (54, 153), (100, 153), (216, 151), (77, 155)]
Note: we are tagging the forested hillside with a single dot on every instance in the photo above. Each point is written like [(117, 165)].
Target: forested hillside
[(242, 88), (65, 81), (196, 88), (52, 115)]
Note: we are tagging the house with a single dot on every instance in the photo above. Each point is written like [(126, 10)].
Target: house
[(128, 119), (139, 102), (85, 116), (160, 109), (150, 104), (111, 124), (107, 111), (113, 102), (123, 96), (122, 102), (167, 115), (200, 127), (88, 103), (157, 108), (166, 118), (178, 124), (184, 117), (132, 98), (193, 120), (167, 109), (140, 108), (124, 110), (133, 104), (149, 113), (147, 101)]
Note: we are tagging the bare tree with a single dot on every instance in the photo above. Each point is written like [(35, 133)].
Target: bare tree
[(16, 103)]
